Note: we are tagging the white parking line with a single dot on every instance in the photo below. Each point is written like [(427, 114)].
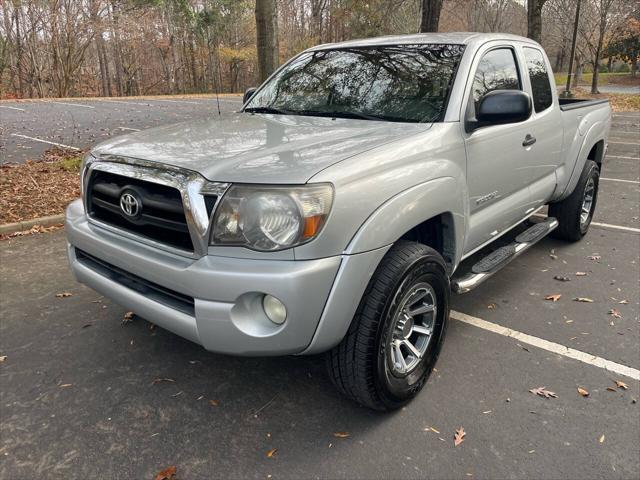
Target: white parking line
[(45, 141), (126, 103), (616, 227), (619, 180), (552, 347), (12, 108), (71, 104), (622, 157), (174, 101)]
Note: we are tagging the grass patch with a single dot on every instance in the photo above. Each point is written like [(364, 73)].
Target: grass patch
[(71, 164), (603, 79)]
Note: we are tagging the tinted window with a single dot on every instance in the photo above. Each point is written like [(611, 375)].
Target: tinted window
[(539, 77), (497, 71), (408, 83)]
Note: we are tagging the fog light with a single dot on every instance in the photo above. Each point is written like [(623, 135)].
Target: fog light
[(275, 309)]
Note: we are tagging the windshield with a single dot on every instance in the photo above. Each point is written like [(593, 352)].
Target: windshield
[(404, 83)]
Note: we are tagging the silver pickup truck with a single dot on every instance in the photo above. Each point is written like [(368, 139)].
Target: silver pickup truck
[(335, 211)]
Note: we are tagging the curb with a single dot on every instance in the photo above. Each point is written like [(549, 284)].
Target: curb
[(9, 228)]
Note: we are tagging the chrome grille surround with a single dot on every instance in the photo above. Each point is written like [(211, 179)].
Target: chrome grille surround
[(192, 186)]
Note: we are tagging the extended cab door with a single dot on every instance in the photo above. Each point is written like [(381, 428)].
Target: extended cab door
[(545, 126), (498, 174)]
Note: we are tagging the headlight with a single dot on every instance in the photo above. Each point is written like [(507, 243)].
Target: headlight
[(271, 218)]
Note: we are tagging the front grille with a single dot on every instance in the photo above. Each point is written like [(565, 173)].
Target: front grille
[(151, 290), (159, 214)]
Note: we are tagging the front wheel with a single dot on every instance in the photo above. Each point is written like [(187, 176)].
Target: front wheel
[(396, 334), (574, 213)]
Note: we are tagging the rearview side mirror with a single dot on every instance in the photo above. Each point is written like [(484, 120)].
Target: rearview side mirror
[(502, 106), (248, 94)]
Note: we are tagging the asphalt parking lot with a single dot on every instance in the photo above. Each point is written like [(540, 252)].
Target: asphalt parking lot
[(84, 395), (29, 127)]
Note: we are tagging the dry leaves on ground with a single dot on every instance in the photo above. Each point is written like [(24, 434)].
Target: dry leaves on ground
[(543, 392), (160, 380), (581, 274), (458, 438), (167, 473), (271, 453), (341, 434), (622, 385), (32, 231), (64, 295), (2, 358), (214, 403), (553, 297), (560, 278), (583, 392), (128, 317), (615, 313), (601, 439), (37, 189), (583, 299)]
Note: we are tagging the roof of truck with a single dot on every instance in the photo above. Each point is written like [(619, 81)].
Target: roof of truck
[(460, 38)]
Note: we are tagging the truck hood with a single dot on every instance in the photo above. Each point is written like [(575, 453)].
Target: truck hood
[(246, 148)]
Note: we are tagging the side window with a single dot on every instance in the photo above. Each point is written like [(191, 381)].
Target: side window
[(496, 71), (540, 86)]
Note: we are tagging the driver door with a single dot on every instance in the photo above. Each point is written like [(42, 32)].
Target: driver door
[(497, 170)]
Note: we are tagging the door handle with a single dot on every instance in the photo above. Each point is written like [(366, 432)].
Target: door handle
[(528, 140)]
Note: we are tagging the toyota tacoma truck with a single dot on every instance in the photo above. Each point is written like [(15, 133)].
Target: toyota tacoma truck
[(335, 212)]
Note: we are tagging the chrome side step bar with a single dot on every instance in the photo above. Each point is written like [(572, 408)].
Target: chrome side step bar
[(499, 258)]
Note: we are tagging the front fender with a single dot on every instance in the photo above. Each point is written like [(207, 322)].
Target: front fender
[(411, 208)]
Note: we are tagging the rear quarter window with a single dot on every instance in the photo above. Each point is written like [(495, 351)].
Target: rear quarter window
[(539, 76)]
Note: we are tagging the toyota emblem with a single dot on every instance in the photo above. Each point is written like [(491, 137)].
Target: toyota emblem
[(130, 205)]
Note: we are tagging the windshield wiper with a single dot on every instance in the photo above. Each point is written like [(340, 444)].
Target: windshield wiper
[(276, 111), (356, 115)]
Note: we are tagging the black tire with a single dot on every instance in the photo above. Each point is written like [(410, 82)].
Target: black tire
[(360, 366), (568, 211)]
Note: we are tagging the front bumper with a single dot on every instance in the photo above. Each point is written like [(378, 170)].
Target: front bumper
[(227, 315)]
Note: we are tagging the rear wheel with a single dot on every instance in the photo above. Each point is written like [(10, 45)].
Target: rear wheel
[(575, 212), (395, 337)]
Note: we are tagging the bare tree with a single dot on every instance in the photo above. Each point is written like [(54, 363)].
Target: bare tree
[(267, 38), (430, 17)]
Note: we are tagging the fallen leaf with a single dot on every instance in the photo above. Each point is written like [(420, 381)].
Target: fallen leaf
[(341, 434), (271, 452), (214, 403), (622, 385), (583, 392), (458, 438), (543, 392), (615, 313), (623, 302), (611, 389), (581, 274), (128, 317), (167, 473), (554, 297), (64, 294), (3, 358), (66, 385), (594, 257), (601, 439), (160, 380), (561, 278), (492, 306), (583, 299)]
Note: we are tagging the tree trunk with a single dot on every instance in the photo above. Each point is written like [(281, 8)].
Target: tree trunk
[(634, 63), (430, 17), (596, 68), (266, 38), (534, 19)]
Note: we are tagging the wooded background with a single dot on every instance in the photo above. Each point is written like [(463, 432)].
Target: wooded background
[(61, 48)]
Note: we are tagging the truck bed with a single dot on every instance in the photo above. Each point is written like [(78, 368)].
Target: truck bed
[(573, 103)]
